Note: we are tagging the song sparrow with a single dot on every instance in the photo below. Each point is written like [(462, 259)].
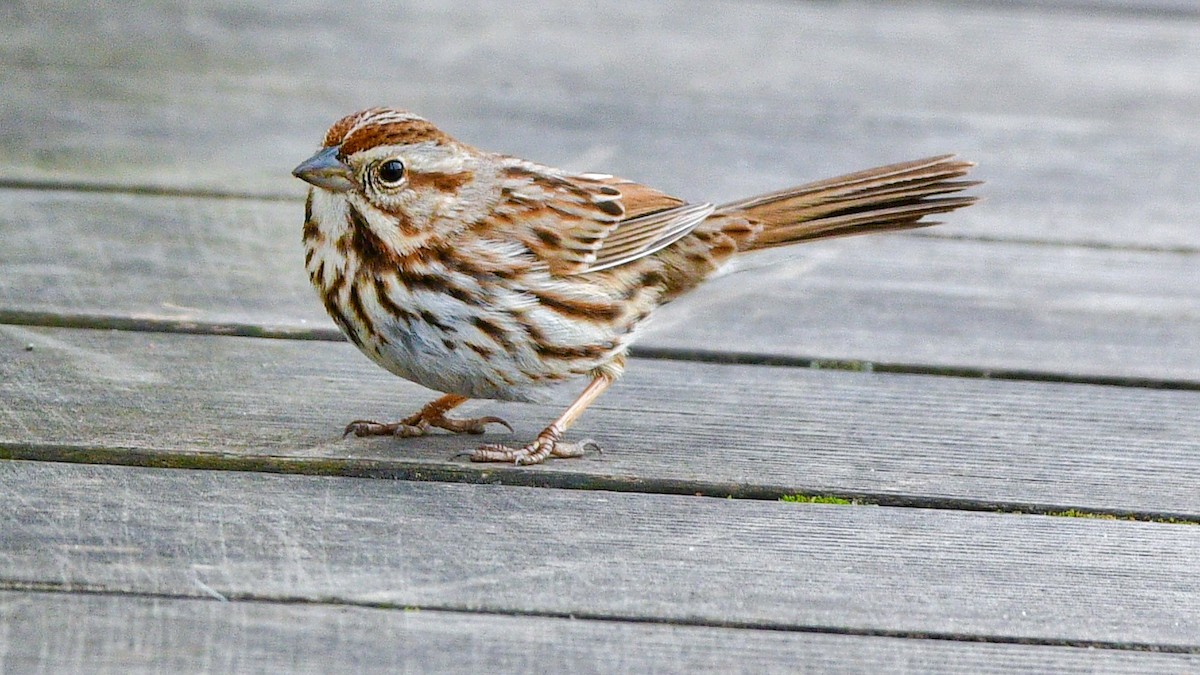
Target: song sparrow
[(487, 276)]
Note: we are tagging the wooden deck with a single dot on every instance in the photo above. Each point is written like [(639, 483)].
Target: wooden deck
[(1011, 401)]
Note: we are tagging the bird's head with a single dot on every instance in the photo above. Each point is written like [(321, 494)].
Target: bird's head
[(396, 173)]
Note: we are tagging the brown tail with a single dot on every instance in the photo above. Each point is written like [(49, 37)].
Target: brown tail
[(893, 197)]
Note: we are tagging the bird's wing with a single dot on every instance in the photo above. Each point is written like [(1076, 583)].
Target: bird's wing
[(580, 223)]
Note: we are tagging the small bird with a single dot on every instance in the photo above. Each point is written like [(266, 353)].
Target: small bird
[(481, 275)]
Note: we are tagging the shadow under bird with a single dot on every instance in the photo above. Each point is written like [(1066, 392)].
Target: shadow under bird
[(487, 276)]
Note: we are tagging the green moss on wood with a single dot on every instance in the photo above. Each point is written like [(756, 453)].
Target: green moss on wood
[(819, 499)]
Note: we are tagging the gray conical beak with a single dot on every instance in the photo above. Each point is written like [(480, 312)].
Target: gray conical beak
[(325, 170)]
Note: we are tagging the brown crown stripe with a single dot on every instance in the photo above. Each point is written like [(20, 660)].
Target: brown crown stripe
[(406, 132), (442, 182), (338, 130), (578, 309)]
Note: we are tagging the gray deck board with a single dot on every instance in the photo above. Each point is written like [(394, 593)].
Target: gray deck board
[(597, 554), (892, 299), (1085, 124), (145, 152), (129, 397), (71, 632)]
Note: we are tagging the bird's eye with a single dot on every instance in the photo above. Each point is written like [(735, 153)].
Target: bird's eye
[(391, 172)]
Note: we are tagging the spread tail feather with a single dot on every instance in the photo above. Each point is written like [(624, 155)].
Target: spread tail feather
[(892, 197)]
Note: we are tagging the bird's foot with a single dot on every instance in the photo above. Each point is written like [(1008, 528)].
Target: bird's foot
[(421, 423), (549, 443)]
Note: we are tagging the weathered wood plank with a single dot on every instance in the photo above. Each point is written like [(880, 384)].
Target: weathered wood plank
[(669, 426), (891, 299), (68, 632), (601, 555), (1085, 124)]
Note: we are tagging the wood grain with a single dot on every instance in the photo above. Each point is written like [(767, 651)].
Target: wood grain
[(144, 182), (1073, 312), (280, 405), (70, 632), (639, 557), (1085, 123)]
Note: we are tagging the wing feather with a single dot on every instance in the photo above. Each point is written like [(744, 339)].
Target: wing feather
[(580, 223)]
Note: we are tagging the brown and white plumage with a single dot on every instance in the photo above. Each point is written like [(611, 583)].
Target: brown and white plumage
[(487, 276)]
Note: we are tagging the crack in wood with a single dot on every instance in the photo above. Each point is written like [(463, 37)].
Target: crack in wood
[(99, 590), (329, 334), (542, 477)]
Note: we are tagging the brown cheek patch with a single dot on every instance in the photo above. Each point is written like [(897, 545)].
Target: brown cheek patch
[(442, 182)]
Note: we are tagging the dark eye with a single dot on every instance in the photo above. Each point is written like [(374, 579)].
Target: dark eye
[(391, 172)]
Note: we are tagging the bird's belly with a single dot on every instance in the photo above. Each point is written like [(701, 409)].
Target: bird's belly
[(505, 348), (443, 361)]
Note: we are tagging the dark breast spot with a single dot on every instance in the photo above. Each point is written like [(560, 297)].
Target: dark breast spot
[(371, 251), (431, 319), (388, 305), (482, 351), (568, 352)]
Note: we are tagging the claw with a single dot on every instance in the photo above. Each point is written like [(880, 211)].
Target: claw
[(495, 420), (419, 423), (360, 427), (534, 453), (370, 428)]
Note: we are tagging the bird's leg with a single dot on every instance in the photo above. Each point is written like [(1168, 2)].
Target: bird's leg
[(549, 443), (433, 414)]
